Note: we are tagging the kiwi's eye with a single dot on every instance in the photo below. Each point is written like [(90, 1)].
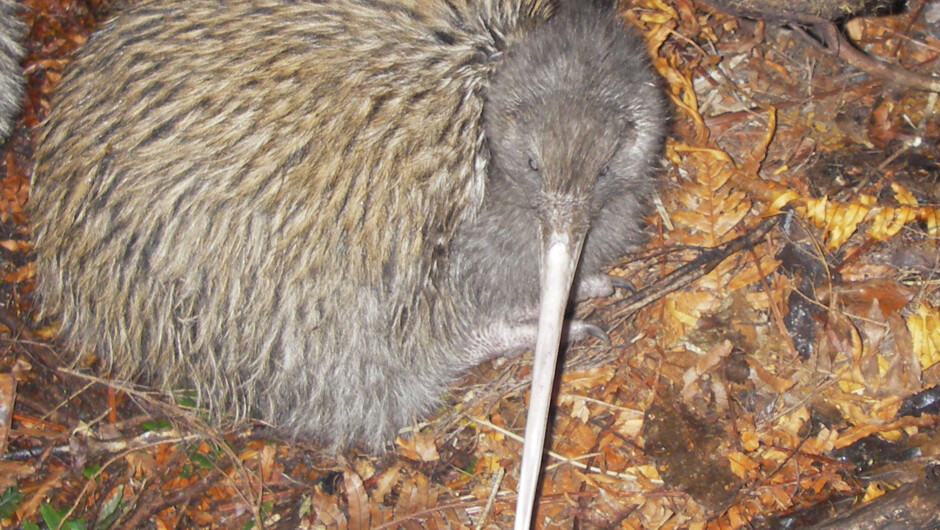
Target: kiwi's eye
[(604, 171), (533, 165)]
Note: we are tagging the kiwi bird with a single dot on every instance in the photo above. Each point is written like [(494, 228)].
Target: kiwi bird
[(320, 213), (11, 75)]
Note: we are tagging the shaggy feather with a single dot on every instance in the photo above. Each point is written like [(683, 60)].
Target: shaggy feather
[(11, 75), (280, 204)]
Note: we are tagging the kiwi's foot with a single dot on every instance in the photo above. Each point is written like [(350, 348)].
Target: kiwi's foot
[(600, 286), (509, 339)]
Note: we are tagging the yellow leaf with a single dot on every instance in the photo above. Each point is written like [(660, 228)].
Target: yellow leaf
[(493, 464), (816, 210), (902, 195), (889, 222), (649, 472), (716, 153), (882, 365), (849, 386), (924, 327), (842, 221), (873, 491), (932, 218), (892, 436), (782, 200)]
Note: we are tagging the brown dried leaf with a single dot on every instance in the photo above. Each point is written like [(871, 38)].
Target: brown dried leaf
[(385, 481), (704, 364), (269, 467), (143, 464), (327, 510), (890, 295), (903, 372), (27, 509), (419, 446), (415, 497), (12, 472), (16, 245), (357, 501), (7, 398), (20, 274), (881, 129)]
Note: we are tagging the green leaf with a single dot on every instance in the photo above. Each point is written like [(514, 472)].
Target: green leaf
[(111, 509), (156, 425), (51, 516), (265, 508), (202, 460), (9, 500), (91, 470), (53, 519), (78, 524), (187, 399), (468, 470)]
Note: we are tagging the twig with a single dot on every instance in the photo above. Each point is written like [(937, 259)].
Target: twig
[(707, 260), (497, 480), (626, 476), (17, 327), (833, 42), (155, 502)]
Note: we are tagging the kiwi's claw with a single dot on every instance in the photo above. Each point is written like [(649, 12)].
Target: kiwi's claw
[(621, 283), (580, 329)]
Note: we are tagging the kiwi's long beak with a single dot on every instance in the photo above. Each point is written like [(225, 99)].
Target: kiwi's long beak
[(561, 250)]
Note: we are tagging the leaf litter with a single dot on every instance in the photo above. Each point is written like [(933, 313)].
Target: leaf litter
[(779, 381)]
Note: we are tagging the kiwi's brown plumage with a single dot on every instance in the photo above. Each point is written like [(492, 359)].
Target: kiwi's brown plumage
[(288, 206), (11, 75)]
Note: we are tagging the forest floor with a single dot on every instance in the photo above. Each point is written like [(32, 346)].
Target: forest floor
[(776, 367)]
